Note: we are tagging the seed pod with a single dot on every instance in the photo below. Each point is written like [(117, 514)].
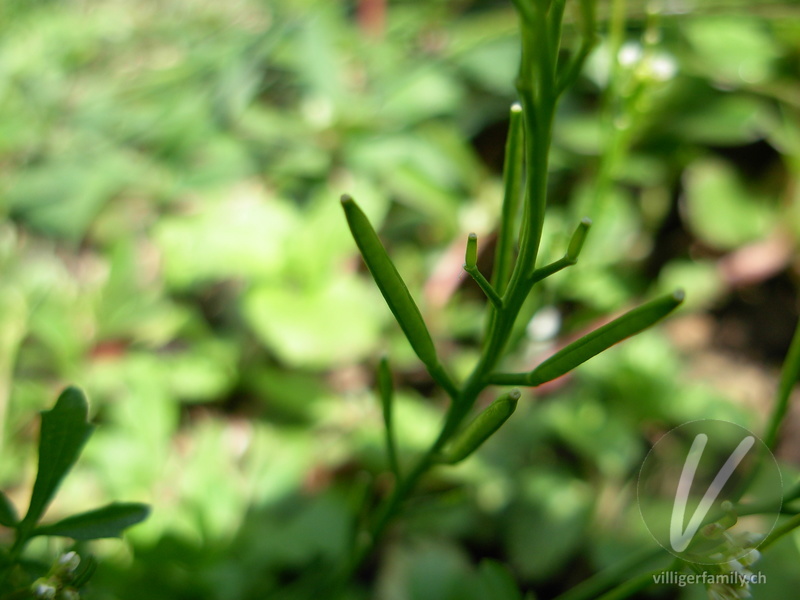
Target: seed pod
[(601, 339), (512, 192), (471, 258), (578, 238), (389, 282), (481, 428)]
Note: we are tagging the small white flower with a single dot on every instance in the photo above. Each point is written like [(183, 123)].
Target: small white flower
[(69, 561), (44, 589), (662, 67), (629, 54)]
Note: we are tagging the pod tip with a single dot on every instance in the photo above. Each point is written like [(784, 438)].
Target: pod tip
[(679, 295)]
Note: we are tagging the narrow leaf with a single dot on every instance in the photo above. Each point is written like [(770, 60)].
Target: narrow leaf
[(603, 338), (106, 522), (390, 283), (481, 428), (64, 431), (8, 514)]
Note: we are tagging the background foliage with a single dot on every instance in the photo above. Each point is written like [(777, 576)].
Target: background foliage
[(172, 242)]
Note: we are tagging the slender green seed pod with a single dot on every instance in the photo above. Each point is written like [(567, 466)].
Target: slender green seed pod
[(513, 167), (590, 345), (390, 283), (471, 259), (578, 238), (481, 428)]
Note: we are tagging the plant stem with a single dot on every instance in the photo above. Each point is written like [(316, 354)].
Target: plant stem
[(789, 376), (600, 582), (637, 584), (789, 526), (541, 34)]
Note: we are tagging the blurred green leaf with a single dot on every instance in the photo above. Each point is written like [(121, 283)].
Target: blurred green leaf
[(243, 236), (719, 120), (107, 522), (494, 581), (733, 49), (338, 323), (547, 524), (720, 210)]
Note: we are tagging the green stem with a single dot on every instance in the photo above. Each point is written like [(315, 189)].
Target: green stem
[(789, 376), (789, 526), (602, 581), (638, 583), (541, 32), (487, 288)]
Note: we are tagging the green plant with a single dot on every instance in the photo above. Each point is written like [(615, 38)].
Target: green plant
[(64, 431), (543, 77)]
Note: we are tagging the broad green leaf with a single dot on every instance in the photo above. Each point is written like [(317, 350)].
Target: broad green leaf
[(390, 283), (601, 339), (106, 522), (64, 431), (8, 514)]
